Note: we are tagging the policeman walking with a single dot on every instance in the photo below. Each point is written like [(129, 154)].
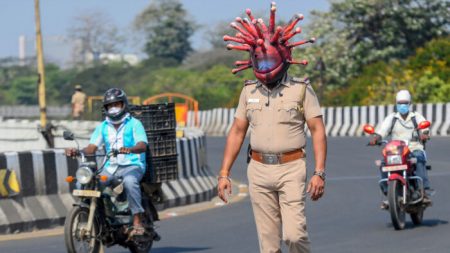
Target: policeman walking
[(275, 108)]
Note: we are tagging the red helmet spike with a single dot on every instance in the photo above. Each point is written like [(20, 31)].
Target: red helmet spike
[(249, 41), (263, 26), (247, 27), (229, 38), (240, 63), (276, 36), (269, 48), (292, 23), (303, 62), (249, 14), (238, 28), (244, 47), (234, 71), (258, 29), (295, 44), (260, 43), (273, 9), (251, 28), (289, 36)]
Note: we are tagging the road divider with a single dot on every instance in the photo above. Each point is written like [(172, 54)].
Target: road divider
[(339, 121)]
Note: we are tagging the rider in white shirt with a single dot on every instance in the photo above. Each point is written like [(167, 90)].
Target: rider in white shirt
[(402, 125)]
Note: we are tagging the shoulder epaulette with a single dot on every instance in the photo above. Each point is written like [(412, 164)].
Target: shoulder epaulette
[(250, 82), (304, 80)]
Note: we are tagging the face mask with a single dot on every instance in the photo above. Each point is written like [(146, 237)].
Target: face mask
[(114, 110), (403, 108)]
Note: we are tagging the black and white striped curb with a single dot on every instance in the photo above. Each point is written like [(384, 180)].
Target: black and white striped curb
[(46, 198), (339, 121)]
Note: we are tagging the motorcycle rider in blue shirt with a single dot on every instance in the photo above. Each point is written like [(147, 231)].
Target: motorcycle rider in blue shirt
[(120, 131)]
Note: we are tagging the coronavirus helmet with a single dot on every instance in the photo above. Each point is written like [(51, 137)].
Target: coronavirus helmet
[(269, 47)]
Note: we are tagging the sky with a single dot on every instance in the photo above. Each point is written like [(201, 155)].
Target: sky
[(17, 16)]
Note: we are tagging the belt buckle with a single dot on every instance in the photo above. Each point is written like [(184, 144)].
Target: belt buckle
[(270, 159)]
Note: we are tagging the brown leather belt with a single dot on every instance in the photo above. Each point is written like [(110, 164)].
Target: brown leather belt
[(279, 158)]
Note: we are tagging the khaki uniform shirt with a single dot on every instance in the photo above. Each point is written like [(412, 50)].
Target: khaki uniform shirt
[(276, 123), (78, 99)]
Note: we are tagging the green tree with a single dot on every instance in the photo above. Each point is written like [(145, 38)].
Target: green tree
[(167, 28), (356, 33), (425, 75), (220, 88), (23, 91), (379, 30)]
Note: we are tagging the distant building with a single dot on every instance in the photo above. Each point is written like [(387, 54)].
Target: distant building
[(131, 59)]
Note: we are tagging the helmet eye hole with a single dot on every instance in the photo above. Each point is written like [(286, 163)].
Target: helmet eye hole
[(114, 104)]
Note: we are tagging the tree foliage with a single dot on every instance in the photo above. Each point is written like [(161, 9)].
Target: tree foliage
[(354, 34), (167, 29), (425, 75), (94, 34), (379, 30), (365, 52)]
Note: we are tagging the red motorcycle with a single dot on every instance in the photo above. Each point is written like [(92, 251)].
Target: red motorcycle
[(405, 191)]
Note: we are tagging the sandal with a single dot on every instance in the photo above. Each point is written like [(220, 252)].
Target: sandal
[(135, 231)]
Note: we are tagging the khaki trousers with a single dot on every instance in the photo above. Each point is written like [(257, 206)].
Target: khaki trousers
[(278, 195)]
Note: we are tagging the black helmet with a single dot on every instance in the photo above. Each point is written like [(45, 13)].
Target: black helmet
[(115, 95)]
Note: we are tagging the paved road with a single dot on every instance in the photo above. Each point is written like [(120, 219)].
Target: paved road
[(346, 220)]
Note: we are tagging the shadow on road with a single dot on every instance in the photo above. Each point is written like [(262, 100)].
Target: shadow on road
[(433, 222), (178, 249), (425, 223)]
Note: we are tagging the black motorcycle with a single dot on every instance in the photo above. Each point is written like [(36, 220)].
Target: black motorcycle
[(102, 216)]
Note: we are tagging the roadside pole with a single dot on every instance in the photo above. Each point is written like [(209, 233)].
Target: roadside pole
[(45, 128)]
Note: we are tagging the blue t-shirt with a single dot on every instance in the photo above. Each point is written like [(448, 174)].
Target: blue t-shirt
[(130, 132)]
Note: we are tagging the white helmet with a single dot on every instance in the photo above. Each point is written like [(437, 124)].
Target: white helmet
[(403, 96)]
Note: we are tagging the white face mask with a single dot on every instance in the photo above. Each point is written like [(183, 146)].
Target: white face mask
[(114, 110)]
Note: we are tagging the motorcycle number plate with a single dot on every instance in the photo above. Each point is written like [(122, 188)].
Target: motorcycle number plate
[(394, 168), (86, 193)]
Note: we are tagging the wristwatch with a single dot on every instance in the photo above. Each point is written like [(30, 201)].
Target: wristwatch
[(321, 174)]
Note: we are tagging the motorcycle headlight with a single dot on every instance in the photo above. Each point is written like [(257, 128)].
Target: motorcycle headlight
[(84, 175), (394, 159)]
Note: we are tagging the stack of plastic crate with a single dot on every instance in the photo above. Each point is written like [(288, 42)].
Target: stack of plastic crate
[(160, 125)]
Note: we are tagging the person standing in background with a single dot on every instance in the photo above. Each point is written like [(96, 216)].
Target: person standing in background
[(78, 100)]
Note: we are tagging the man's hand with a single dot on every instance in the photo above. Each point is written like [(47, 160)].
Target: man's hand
[(375, 140), (424, 137), (71, 152), (223, 188), (316, 187), (124, 150)]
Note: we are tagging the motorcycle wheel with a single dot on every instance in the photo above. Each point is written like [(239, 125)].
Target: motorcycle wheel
[(146, 245), (141, 247), (417, 218), (395, 209), (75, 220)]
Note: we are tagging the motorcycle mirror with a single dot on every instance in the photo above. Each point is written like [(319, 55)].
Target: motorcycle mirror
[(368, 129), (68, 136), (424, 124)]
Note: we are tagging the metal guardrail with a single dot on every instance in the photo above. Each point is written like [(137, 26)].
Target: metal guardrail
[(32, 111)]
